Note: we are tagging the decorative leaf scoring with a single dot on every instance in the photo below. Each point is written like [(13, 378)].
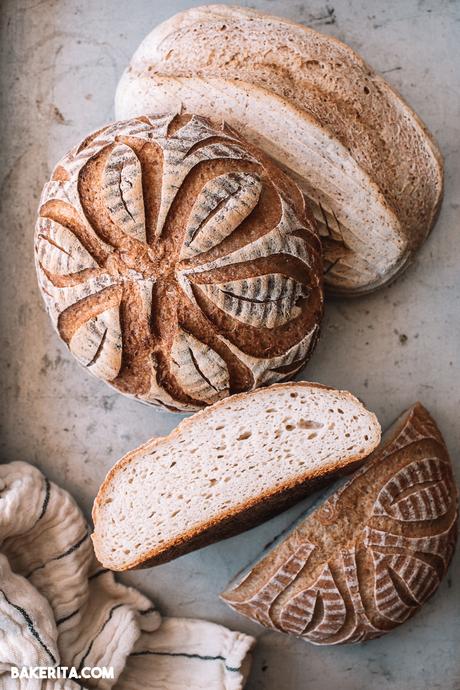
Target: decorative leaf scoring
[(184, 150), (387, 594), (122, 191), (202, 373), (59, 251), (265, 301), (280, 240), (402, 583), (434, 545), (59, 299), (382, 575), (274, 369), (416, 492), (259, 605), (224, 202), (128, 309), (97, 344), (144, 289), (321, 608)]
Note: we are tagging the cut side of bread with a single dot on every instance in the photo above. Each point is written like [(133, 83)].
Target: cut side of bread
[(363, 561), (326, 80), (226, 469), (363, 240)]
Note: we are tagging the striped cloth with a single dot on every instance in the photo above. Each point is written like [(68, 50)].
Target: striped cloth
[(58, 607)]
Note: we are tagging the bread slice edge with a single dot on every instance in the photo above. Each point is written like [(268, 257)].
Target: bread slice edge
[(237, 518)]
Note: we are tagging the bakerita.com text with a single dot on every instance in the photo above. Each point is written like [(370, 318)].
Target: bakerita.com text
[(70, 672)]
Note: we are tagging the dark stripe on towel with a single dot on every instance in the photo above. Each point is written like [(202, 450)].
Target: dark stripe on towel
[(66, 618), (70, 550), (189, 656), (30, 626), (46, 499), (114, 608)]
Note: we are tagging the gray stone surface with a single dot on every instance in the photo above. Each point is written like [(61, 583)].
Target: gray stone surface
[(60, 62)]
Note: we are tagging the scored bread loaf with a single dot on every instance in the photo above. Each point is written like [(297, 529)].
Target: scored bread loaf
[(226, 469), (367, 558), (382, 203), (178, 263)]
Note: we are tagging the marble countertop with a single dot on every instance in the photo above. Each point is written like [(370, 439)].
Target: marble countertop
[(60, 62)]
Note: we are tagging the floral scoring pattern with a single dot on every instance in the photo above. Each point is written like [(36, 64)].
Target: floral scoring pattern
[(369, 556), (177, 263)]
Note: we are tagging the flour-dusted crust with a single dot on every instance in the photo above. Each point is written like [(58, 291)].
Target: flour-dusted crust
[(226, 469), (367, 558), (177, 262), (368, 238)]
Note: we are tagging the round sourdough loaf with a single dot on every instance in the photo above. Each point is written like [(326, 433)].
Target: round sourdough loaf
[(177, 262)]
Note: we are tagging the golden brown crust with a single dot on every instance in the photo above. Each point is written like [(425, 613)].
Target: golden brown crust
[(177, 262), (368, 557), (326, 80), (240, 517)]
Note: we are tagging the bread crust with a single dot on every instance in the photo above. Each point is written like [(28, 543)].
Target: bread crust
[(340, 107), (209, 14), (178, 263), (366, 559), (241, 517)]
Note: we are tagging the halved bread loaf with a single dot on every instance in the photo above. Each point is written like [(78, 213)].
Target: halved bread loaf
[(207, 48), (365, 560), (226, 469)]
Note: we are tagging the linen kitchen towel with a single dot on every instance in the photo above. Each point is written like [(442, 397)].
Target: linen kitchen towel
[(59, 607)]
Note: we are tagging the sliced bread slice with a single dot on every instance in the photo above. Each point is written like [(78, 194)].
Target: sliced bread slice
[(363, 561), (226, 469)]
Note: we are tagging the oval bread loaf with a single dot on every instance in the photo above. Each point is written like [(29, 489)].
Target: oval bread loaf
[(226, 469), (366, 559), (335, 184), (374, 214), (178, 263)]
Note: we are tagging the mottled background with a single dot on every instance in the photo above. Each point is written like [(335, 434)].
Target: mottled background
[(60, 62)]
